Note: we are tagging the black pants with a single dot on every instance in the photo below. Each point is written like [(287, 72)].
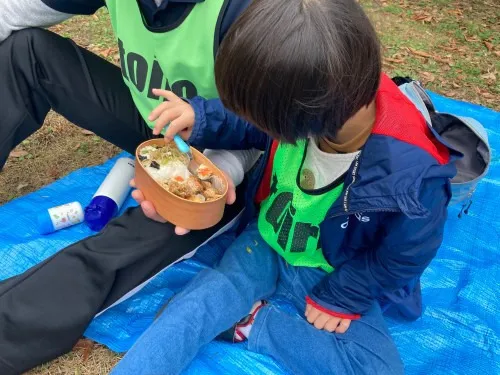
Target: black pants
[(44, 311)]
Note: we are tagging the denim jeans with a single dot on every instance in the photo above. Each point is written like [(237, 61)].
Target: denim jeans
[(217, 298)]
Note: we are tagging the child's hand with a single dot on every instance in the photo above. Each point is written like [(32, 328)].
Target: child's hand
[(149, 209), (326, 321), (174, 112)]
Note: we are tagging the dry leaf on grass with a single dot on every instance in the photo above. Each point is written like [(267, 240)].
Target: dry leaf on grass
[(457, 12), (427, 77), (488, 45), (108, 51), (489, 76), (53, 172), (396, 61), (87, 132), (471, 39), (84, 347), (449, 49), (21, 186), (419, 53), (428, 56), (423, 17), (487, 95), (18, 154)]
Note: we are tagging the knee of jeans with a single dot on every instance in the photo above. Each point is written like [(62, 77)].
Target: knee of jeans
[(378, 357)]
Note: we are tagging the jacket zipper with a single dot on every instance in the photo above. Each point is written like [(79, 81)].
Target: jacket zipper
[(348, 189), (345, 199)]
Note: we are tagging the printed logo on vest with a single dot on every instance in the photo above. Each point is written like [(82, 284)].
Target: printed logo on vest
[(280, 216), (135, 69)]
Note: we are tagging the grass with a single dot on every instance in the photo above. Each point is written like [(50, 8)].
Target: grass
[(452, 46)]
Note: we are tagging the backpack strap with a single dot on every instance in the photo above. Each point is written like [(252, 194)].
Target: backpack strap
[(414, 91)]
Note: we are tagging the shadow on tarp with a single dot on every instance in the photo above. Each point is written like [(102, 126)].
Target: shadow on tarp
[(457, 334)]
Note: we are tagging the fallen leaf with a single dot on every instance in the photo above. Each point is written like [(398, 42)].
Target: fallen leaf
[(419, 53), (96, 17), (497, 53), (21, 186), (424, 17), (488, 45), (85, 347), (419, 17), (106, 52), (427, 77), (429, 56), (455, 85), (396, 61), (18, 154), (472, 39), (489, 76), (54, 173), (77, 146), (455, 11), (441, 60), (87, 132)]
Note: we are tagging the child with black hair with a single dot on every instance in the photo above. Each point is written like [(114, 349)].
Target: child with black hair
[(353, 190)]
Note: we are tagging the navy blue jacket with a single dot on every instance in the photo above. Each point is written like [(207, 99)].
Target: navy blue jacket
[(387, 226)]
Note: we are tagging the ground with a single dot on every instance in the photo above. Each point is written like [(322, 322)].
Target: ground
[(452, 46)]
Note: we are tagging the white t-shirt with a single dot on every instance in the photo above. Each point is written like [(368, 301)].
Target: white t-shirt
[(321, 168)]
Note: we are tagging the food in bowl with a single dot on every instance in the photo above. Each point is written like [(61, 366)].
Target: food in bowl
[(169, 167)]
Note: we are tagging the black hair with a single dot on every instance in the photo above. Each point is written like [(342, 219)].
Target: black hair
[(299, 68)]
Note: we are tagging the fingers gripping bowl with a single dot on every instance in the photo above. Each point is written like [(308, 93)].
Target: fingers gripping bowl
[(191, 201)]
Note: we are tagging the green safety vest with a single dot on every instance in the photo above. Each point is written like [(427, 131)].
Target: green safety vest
[(178, 58), (289, 218)]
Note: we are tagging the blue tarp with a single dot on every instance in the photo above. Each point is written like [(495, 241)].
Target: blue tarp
[(457, 334)]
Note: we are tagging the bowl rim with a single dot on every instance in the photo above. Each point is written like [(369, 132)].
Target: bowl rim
[(154, 141)]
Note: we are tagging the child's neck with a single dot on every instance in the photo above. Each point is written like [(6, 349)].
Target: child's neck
[(353, 135)]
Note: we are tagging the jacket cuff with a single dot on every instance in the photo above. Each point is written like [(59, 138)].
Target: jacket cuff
[(337, 312), (196, 137)]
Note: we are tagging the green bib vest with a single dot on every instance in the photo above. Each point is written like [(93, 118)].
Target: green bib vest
[(289, 218), (179, 58)]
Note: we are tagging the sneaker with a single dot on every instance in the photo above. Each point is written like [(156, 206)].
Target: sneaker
[(235, 333)]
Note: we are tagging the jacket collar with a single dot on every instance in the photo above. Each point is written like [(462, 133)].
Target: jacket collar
[(402, 152)]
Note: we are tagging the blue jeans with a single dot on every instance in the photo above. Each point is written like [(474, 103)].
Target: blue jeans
[(217, 298)]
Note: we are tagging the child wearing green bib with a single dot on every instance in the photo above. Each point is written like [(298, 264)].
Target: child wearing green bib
[(343, 214)]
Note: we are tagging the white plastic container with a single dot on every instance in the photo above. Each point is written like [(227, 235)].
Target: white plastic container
[(60, 217), (110, 196)]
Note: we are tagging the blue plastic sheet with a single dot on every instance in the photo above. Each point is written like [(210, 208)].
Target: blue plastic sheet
[(457, 334)]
